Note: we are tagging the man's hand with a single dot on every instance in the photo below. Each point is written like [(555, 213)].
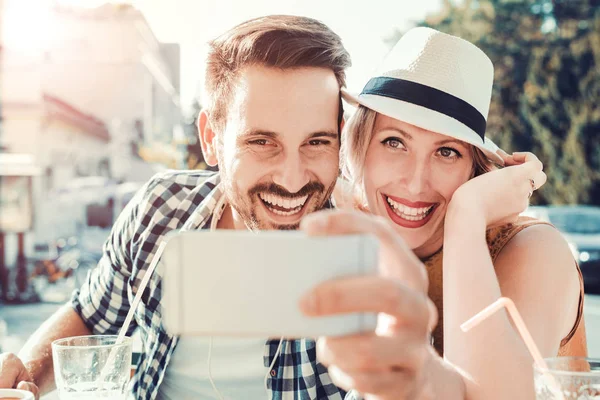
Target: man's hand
[(392, 362), (14, 375)]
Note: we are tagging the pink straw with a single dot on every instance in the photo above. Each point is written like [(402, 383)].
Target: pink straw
[(505, 302)]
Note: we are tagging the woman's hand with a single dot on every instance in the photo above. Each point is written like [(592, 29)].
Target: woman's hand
[(392, 362), (499, 196)]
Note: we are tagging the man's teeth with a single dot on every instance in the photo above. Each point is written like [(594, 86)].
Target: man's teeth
[(286, 206), (409, 213)]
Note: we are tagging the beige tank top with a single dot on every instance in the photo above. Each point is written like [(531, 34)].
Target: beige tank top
[(574, 344)]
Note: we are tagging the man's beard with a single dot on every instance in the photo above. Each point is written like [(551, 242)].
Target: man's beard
[(247, 205)]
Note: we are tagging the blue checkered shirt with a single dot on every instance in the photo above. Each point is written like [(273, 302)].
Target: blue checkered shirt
[(177, 200)]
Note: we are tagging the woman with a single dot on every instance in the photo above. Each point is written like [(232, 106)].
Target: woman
[(416, 155)]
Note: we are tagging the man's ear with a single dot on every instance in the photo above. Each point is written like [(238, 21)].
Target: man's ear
[(208, 139)]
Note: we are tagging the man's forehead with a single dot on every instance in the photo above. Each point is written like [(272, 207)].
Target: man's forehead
[(303, 100), (263, 76)]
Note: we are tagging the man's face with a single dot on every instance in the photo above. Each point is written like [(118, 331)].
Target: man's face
[(279, 153)]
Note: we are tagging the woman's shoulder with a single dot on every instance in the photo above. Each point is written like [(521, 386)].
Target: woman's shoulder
[(535, 267), (498, 236)]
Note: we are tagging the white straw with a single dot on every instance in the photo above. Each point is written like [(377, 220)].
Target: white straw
[(131, 313), (505, 302), (140, 291)]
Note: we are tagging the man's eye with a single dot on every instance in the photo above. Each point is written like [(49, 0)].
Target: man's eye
[(318, 142), (259, 142)]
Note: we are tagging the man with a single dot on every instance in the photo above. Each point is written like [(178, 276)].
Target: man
[(272, 124)]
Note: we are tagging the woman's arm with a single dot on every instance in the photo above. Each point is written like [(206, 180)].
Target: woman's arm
[(535, 269)]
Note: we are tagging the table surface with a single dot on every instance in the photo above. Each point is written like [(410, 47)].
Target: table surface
[(23, 320)]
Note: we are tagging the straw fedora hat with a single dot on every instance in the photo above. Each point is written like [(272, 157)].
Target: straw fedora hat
[(437, 82)]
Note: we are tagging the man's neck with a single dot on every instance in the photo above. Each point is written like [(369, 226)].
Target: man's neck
[(226, 221), (229, 221)]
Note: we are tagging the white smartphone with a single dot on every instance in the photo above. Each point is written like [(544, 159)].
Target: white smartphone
[(240, 283)]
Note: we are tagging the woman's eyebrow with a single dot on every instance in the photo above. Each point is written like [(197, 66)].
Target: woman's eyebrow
[(400, 131)]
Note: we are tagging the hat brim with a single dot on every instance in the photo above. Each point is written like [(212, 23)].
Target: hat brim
[(425, 118)]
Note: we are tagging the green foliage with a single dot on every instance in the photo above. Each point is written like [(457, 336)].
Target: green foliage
[(546, 56)]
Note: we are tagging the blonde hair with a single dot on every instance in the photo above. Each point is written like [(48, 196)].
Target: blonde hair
[(356, 138), (278, 41)]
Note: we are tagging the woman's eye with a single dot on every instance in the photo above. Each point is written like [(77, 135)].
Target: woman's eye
[(392, 142), (448, 152)]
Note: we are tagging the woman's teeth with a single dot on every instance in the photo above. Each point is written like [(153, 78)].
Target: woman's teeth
[(283, 206), (409, 213)]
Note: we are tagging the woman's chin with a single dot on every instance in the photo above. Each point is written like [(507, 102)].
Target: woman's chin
[(422, 242), (413, 240)]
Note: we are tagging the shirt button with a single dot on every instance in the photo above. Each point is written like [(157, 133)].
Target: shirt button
[(273, 373)]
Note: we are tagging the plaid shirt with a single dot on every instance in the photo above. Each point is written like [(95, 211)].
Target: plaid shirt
[(181, 200)]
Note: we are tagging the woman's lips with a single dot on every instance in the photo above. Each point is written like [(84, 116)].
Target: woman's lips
[(417, 204), (403, 212)]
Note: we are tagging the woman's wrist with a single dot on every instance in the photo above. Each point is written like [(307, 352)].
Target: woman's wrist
[(464, 213)]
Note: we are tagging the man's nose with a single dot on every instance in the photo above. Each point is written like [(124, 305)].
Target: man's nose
[(292, 173)]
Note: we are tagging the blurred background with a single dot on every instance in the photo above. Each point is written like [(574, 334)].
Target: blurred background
[(96, 97)]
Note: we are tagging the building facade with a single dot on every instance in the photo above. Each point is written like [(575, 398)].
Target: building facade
[(88, 93)]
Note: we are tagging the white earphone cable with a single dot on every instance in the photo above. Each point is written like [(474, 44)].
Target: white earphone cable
[(210, 378), (273, 363), (213, 225), (216, 217)]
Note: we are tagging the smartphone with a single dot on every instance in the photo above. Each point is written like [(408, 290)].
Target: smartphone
[(246, 284)]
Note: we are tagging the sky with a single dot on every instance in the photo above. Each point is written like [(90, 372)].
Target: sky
[(362, 24)]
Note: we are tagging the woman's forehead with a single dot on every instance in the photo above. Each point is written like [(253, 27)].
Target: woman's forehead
[(412, 132)]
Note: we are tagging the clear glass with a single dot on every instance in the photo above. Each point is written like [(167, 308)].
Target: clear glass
[(92, 367), (578, 378)]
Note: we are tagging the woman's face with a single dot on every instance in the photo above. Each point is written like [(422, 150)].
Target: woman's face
[(410, 176)]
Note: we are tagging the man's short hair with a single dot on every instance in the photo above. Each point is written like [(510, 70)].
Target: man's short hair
[(278, 41)]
